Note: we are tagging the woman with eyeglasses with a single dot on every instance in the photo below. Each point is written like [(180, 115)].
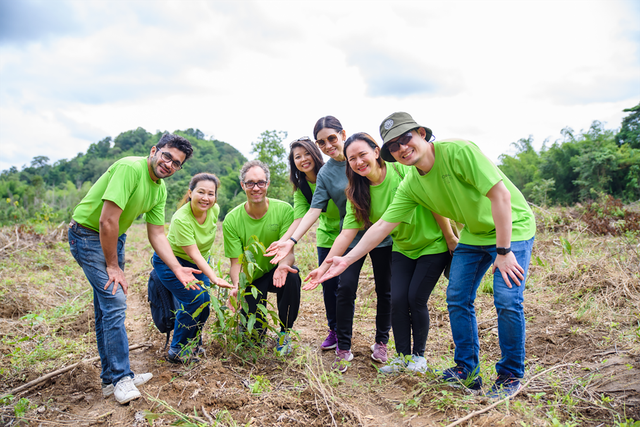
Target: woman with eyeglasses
[(191, 235), (305, 161), (419, 254), (330, 186)]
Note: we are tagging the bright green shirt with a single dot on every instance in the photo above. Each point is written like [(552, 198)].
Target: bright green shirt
[(456, 188), (126, 183), (328, 223), (238, 227), (418, 234), (185, 230)]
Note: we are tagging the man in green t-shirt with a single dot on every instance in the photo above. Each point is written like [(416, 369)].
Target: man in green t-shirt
[(268, 220), (130, 187), (454, 179)]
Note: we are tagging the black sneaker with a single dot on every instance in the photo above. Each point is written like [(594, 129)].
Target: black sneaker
[(459, 377), (505, 386), (184, 359)]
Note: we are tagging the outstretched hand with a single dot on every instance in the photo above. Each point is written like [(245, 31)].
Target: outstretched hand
[(186, 275), (313, 279), (280, 275), (222, 283), (279, 250), (337, 266), (509, 268)]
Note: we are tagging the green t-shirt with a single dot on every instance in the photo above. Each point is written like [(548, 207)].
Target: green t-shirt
[(328, 223), (456, 188), (238, 227), (186, 231), (126, 183), (418, 234)]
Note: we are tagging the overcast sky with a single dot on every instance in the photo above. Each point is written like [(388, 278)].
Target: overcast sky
[(75, 72)]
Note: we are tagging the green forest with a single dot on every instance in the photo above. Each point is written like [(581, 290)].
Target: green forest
[(581, 166)]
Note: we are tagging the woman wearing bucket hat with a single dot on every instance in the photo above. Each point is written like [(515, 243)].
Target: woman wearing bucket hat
[(456, 180), (331, 183), (419, 254)]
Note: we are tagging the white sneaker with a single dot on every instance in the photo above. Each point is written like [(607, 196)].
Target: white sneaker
[(138, 380), (125, 391), (418, 365), (393, 367)]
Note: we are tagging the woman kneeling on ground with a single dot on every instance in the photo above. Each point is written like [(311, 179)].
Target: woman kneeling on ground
[(419, 253), (191, 235)]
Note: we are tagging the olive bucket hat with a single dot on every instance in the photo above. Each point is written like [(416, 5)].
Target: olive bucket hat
[(395, 125)]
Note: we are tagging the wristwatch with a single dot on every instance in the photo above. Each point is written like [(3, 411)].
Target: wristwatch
[(503, 251)]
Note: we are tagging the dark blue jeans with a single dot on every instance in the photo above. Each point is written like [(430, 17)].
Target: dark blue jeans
[(468, 266), (111, 335), (188, 327), (329, 290)]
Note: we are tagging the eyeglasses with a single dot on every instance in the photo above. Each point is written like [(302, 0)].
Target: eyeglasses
[(402, 140), (331, 139), (304, 138), (251, 184), (167, 158)]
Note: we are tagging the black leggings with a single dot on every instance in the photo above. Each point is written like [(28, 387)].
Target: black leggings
[(412, 281), (346, 297), (288, 299)]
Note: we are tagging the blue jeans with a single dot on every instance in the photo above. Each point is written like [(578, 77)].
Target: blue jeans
[(329, 291), (188, 301), (468, 266), (111, 335)]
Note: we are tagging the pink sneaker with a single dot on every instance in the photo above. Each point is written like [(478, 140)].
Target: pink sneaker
[(331, 341), (379, 352), (343, 357)]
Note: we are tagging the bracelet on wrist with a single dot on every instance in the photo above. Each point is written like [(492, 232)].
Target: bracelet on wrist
[(295, 242)]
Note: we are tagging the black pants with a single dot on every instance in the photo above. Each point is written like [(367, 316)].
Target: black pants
[(412, 281), (329, 289), (288, 299), (347, 288)]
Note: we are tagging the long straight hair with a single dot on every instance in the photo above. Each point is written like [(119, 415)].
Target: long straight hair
[(295, 176), (358, 189), (204, 176)]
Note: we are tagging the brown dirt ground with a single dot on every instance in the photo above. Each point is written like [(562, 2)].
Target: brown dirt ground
[(360, 397)]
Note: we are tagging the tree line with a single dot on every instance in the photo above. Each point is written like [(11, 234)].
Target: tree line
[(580, 166)]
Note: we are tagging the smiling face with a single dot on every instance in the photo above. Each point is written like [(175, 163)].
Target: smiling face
[(203, 197), (332, 149), (255, 177), (159, 166), (363, 159), (412, 152), (303, 160)]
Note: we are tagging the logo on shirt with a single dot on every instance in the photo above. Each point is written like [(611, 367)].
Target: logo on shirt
[(273, 227), (446, 178), (388, 124)]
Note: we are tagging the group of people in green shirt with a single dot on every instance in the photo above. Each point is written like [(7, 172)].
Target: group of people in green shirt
[(392, 201)]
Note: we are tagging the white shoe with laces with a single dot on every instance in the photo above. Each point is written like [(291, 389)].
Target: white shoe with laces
[(138, 380), (126, 391)]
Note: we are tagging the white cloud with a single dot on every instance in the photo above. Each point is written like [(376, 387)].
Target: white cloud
[(492, 72)]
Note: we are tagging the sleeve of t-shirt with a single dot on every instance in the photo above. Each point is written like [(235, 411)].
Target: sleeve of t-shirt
[(321, 196), (350, 220), (232, 243), (472, 166), (287, 219), (156, 215), (402, 207), (300, 204), (123, 182), (184, 234)]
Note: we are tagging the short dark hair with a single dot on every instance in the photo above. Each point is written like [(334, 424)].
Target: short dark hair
[(176, 141), (327, 122)]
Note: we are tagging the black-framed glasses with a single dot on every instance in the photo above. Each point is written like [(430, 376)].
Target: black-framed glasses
[(402, 140), (302, 138), (251, 184), (168, 158), (332, 139)]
